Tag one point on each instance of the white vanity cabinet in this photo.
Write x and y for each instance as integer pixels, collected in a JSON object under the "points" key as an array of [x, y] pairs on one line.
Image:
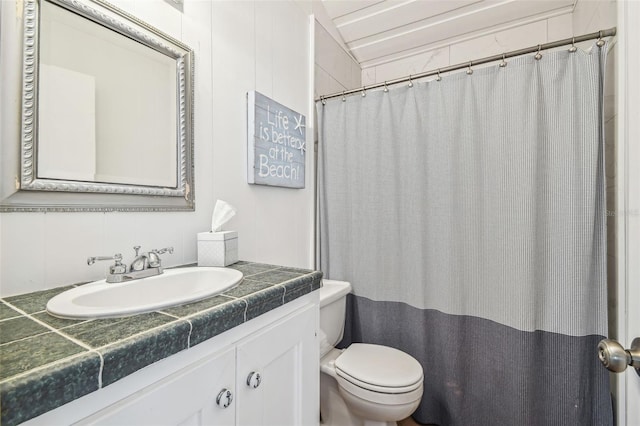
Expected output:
{"points": [[194, 386], [274, 370]]}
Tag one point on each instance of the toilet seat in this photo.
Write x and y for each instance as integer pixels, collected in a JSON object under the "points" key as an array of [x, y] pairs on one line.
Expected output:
{"points": [[379, 389], [380, 398], [378, 368]]}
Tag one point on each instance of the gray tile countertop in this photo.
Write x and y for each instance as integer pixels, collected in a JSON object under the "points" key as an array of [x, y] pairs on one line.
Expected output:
{"points": [[46, 362]]}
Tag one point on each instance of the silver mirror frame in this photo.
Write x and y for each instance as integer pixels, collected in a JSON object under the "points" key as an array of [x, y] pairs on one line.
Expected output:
{"points": [[36, 194]]}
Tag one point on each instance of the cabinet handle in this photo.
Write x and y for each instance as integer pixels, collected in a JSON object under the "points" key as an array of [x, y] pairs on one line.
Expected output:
{"points": [[224, 398], [254, 379]]}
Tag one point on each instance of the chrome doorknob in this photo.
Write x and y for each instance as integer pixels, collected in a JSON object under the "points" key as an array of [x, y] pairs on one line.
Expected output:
{"points": [[254, 379], [224, 398], [616, 358]]}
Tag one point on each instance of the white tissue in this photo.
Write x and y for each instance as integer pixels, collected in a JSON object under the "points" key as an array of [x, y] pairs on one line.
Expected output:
{"points": [[222, 212]]}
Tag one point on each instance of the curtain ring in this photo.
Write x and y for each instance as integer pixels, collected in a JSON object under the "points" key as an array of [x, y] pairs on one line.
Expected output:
{"points": [[503, 63], [438, 78], [573, 47], [363, 91], [410, 82], [344, 98], [469, 70], [538, 55], [600, 41], [386, 89], [322, 100]]}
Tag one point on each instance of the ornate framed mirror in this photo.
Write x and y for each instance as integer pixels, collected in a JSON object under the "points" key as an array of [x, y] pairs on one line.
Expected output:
{"points": [[106, 114]]}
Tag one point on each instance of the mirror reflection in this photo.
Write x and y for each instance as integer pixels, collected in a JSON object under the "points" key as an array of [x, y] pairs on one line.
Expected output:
{"points": [[107, 105]]}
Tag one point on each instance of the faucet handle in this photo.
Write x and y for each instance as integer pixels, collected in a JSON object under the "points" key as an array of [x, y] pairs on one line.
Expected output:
{"points": [[154, 256], [117, 268], [117, 257], [164, 250]]}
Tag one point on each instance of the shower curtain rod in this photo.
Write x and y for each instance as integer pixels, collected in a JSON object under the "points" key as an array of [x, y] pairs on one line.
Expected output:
{"points": [[591, 36]]}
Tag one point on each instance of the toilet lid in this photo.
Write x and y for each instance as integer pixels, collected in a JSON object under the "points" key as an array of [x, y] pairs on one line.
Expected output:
{"points": [[379, 366]]}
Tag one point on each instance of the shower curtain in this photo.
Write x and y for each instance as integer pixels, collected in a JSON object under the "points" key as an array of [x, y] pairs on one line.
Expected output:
{"points": [[468, 214]]}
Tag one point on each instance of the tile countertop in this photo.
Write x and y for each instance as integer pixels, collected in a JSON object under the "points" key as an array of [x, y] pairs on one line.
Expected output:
{"points": [[46, 362]]}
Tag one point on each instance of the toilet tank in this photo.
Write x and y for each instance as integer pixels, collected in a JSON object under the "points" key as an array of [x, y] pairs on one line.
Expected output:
{"points": [[333, 305]]}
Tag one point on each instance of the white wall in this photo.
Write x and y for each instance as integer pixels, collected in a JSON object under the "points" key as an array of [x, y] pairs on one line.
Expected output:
{"points": [[239, 46], [335, 69]]}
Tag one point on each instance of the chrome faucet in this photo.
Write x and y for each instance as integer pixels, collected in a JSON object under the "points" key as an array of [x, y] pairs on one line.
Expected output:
{"points": [[143, 265], [141, 261]]}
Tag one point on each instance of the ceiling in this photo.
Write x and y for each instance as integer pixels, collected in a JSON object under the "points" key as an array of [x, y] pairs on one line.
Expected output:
{"points": [[379, 31]]}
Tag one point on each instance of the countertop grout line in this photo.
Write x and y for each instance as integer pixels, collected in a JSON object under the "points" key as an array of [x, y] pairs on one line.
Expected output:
{"points": [[189, 336], [77, 342], [64, 336], [7, 319], [88, 348], [7, 305], [24, 338], [246, 308], [79, 321], [101, 370]]}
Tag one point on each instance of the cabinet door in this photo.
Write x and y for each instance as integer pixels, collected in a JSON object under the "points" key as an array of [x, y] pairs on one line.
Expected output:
{"points": [[187, 397], [285, 356]]}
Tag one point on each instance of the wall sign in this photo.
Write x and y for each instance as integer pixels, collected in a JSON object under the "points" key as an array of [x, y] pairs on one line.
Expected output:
{"points": [[276, 143]]}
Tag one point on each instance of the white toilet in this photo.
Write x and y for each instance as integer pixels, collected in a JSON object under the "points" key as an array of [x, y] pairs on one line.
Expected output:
{"points": [[363, 385]]}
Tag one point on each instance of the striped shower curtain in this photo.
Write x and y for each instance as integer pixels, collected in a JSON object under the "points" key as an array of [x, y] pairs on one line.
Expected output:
{"points": [[468, 214]]}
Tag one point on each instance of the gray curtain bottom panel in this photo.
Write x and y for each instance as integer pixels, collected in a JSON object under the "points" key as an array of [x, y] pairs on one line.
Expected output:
{"points": [[478, 372]]}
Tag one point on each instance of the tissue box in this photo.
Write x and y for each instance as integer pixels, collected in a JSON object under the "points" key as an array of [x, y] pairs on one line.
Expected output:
{"points": [[217, 248]]}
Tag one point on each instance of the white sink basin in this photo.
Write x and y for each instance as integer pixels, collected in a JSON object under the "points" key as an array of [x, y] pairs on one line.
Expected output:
{"points": [[100, 299]]}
